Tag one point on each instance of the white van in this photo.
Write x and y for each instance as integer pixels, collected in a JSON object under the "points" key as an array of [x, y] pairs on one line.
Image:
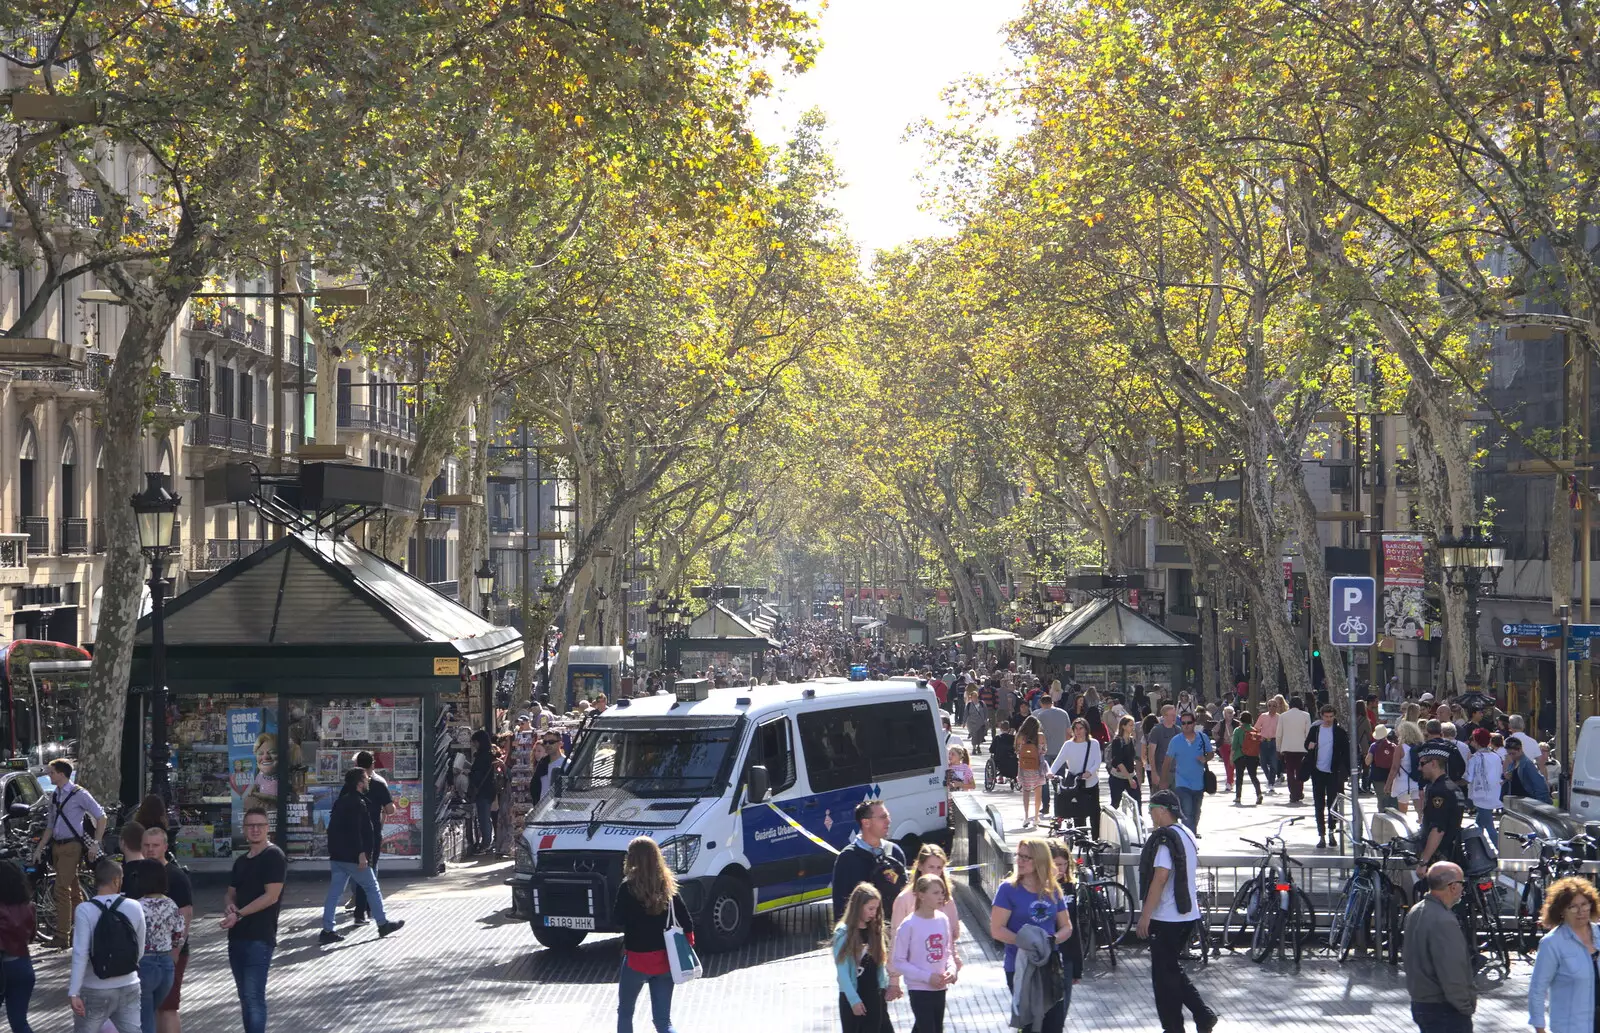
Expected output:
{"points": [[706, 778]]}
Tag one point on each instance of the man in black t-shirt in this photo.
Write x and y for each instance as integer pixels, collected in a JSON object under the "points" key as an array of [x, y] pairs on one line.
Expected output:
{"points": [[380, 805], [251, 918]]}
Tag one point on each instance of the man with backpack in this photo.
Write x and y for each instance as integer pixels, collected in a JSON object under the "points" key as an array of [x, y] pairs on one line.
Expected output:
{"points": [[107, 946], [72, 829]]}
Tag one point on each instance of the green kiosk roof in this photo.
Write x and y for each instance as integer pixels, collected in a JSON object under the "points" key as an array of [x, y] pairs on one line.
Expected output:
{"points": [[314, 613]]}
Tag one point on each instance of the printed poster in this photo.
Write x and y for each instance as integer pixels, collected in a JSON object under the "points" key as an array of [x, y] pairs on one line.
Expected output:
{"points": [[407, 724], [252, 762], [406, 763], [356, 725], [380, 725], [1403, 583], [332, 724]]}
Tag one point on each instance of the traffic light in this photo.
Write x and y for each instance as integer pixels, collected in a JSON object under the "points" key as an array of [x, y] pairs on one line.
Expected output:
{"points": [[1316, 652]]}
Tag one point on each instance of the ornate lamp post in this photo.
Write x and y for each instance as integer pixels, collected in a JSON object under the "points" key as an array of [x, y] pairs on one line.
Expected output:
{"points": [[484, 576], [1472, 562], [156, 509]]}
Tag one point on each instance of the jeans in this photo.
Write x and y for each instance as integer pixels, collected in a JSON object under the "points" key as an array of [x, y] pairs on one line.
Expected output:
{"points": [[17, 974], [346, 872], [1174, 992], [118, 1005], [1245, 766], [156, 973], [927, 1011], [358, 896], [1190, 800], [1269, 762], [1440, 1018], [629, 983], [485, 831], [1121, 786], [1486, 822], [1055, 1020], [250, 960], [1291, 771], [1325, 785]]}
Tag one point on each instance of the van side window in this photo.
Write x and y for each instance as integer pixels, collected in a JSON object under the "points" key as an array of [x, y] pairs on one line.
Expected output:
{"points": [[833, 742], [904, 739], [773, 747]]}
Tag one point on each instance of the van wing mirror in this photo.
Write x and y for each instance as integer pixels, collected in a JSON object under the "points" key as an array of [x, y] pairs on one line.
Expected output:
{"points": [[760, 784]]}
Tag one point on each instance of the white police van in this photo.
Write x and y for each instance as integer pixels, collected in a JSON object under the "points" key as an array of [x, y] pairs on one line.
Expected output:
{"points": [[717, 781]]}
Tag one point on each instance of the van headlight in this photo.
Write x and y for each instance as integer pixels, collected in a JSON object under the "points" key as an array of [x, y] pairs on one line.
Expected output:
{"points": [[523, 856], [680, 853]]}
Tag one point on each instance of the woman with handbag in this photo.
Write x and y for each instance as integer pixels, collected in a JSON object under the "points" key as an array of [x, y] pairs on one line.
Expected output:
{"points": [[1080, 758], [648, 907]]}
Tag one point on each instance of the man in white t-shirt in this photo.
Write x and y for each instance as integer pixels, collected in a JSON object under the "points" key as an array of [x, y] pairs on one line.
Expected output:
{"points": [[1530, 745], [1171, 908]]}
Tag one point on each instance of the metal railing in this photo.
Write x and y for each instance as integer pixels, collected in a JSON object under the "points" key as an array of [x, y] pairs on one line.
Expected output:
{"points": [[216, 553], [448, 589], [359, 416], [37, 528], [215, 431], [99, 535], [13, 551], [182, 394], [28, 42], [74, 536]]}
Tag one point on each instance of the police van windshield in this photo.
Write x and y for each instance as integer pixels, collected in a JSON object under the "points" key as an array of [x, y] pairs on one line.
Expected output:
{"points": [[652, 758]]}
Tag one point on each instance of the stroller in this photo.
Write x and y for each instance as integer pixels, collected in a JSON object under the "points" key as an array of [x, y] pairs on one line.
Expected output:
{"points": [[1001, 767]]}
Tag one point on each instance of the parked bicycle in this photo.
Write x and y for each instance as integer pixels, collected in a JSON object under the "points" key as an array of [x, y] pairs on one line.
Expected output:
{"points": [[1557, 859], [1105, 907], [1274, 912], [1371, 908]]}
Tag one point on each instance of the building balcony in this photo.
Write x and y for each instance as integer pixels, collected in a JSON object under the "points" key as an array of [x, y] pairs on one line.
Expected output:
{"points": [[74, 536], [216, 553], [13, 559], [179, 394], [213, 431], [55, 381], [37, 530], [376, 420]]}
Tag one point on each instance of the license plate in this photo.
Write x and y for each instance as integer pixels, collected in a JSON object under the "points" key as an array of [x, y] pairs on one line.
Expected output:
{"points": [[558, 922]]}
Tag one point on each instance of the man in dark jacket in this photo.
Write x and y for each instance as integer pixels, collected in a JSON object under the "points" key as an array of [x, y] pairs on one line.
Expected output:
{"points": [[1328, 757], [351, 847], [380, 806], [870, 857]]}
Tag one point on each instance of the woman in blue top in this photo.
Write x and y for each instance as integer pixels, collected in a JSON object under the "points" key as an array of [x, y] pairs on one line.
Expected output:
{"points": [[1567, 964], [1031, 896]]}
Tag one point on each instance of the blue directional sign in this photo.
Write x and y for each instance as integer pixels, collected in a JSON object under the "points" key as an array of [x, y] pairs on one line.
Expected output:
{"points": [[1352, 611], [1576, 631], [1537, 630]]}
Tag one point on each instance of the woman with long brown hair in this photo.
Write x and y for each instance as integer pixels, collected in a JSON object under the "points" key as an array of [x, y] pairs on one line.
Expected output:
{"points": [[647, 891], [861, 963], [1030, 768]]}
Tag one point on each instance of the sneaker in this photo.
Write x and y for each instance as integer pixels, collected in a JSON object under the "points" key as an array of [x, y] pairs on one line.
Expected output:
{"points": [[1209, 1024], [329, 936], [360, 920], [1322, 844], [391, 927]]}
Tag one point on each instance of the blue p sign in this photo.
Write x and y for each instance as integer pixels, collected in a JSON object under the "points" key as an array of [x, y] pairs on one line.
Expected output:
{"points": [[1352, 611]]}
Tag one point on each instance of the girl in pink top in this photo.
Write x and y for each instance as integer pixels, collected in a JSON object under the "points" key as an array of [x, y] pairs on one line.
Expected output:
{"points": [[931, 860], [924, 953]]}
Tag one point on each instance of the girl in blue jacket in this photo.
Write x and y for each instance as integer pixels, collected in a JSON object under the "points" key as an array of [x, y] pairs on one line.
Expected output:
{"points": [[1565, 967]]}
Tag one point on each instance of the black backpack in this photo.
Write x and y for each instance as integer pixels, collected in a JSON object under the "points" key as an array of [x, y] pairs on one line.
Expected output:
{"points": [[113, 946]]}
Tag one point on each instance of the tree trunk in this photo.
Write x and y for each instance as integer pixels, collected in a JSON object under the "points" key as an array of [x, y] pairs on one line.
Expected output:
{"points": [[105, 702]]}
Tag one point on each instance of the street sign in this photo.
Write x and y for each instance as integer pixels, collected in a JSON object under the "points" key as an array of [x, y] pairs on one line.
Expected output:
{"points": [[1537, 630], [1352, 611], [1529, 642], [1581, 630]]}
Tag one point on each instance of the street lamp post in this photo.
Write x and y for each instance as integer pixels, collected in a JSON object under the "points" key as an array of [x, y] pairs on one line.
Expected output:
{"points": [[1472, 562], [1200, 601], [156, 509], [484, 577]]}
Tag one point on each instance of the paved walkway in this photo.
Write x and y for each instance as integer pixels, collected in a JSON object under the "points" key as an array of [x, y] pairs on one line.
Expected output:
{"points": [[462, 965]]}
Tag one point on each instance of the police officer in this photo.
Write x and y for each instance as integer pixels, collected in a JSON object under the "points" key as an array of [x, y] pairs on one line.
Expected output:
{"points": [[1442, 809]]}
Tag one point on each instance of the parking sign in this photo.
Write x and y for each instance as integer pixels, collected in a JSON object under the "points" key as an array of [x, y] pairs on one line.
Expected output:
{"points": [[1352, 611]]}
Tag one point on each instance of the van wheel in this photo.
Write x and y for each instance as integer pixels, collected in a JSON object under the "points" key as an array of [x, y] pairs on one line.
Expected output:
{"points": [[557, 939], [912, 845], [724, 925]]}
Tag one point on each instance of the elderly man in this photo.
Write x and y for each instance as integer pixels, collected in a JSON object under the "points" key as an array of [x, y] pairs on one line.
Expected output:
{"points": [[1437, 962]]}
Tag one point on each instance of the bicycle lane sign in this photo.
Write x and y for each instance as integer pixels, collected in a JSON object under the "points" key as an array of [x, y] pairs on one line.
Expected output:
{"points": [[1352, 611]]}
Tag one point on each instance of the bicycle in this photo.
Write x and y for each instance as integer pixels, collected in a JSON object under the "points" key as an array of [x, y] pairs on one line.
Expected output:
{"points": [[1371, 906], [1557, 860], [452, 828], [1279, 910], [1105, 907], [1478, 913]]}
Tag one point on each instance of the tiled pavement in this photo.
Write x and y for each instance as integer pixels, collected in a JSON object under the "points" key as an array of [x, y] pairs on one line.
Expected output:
{"points": [[462, 965]]}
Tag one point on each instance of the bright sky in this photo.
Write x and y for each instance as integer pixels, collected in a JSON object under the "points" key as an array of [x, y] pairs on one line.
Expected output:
{"points": [[882, 67]]}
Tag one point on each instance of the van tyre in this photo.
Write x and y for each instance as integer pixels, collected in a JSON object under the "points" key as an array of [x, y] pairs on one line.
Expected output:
{"points": [[724, 925], [557, 939], [911, 845]]}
